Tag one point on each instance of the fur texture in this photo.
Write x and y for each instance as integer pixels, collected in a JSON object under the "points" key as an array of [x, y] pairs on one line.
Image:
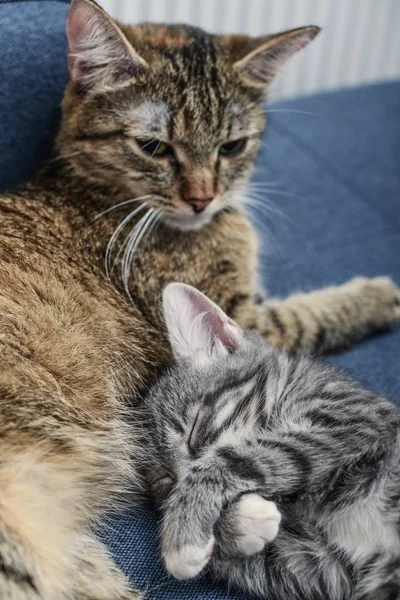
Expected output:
{"points": [[80, 341], [279, 473]]}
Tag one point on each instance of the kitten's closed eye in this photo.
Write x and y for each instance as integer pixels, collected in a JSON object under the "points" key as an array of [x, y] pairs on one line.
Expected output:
{"points": [[162, 487]]}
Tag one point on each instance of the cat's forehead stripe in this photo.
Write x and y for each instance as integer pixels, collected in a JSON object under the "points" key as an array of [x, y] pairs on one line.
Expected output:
{"points": [[151, 115]]}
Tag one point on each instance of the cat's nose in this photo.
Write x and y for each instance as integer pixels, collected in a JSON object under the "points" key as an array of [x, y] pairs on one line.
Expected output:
{"points": [[199, 204], [199, 190]]}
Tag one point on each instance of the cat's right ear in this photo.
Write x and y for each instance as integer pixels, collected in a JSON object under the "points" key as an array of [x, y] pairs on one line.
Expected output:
{"points": [[259, 59], [198, 329], [99, 53]]}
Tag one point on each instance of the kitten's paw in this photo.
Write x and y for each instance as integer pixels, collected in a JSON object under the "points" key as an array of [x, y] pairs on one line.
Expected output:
{"points": [[382, 297], [188, 561], [256, 521]]}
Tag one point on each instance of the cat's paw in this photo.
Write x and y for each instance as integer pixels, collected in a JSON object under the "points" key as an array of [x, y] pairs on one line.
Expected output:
{"points": [[381, 298], [189, 560], [256, 522]]}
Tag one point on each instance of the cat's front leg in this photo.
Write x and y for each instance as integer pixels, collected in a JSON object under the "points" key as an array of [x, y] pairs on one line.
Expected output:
{"points": [[190, 514], [194, 507], [326, 320]]}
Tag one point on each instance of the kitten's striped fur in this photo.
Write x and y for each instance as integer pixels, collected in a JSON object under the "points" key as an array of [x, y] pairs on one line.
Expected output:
{"points": [[278, 473]]}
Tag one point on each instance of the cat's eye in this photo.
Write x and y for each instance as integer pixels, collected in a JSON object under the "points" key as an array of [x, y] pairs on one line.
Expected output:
{"points": [[154, 148], [234, 148]]}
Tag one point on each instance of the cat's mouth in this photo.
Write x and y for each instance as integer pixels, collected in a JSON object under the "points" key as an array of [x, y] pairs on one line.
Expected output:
{"points": [[185, 221]]}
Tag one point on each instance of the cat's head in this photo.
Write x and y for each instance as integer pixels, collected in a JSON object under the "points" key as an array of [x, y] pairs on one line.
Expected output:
{"points": [[168, 112], [214, 392]]}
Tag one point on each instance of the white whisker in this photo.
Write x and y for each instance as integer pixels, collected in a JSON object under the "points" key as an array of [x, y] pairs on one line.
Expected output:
{"points": [[116, 234], [148, 143], [135, 237], [61, 157], [142, 232], [261, 184], [291, 110], [157, 218], [120, 251], [155, 150], [265, 144], [263, 226], [115, 206], [264, 206], [260, 193], [125, 266]]}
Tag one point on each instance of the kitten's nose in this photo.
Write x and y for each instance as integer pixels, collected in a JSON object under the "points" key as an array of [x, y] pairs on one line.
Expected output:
{"points": [[199, 204]]}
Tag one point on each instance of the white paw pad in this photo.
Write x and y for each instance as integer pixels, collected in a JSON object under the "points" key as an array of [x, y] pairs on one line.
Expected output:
{"points": [[188, 561], [257, 523]]}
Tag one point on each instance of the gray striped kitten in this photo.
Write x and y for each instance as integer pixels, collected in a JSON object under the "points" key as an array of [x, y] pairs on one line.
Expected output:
{"points": [[278, 474]]}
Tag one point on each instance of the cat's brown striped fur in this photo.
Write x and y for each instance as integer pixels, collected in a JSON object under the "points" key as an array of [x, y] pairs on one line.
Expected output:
{"points": [[74, 350]]}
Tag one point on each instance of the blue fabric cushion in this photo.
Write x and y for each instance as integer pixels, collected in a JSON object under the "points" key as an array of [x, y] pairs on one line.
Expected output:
{"points": [[337, 155], [331, 165], [33, 73]]}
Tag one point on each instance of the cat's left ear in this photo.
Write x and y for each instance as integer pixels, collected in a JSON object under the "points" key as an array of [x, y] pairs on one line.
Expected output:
{"points": [[266, 55], [99, 53], [198, 329]]}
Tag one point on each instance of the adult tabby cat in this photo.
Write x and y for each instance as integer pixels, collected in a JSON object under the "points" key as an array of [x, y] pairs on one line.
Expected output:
{"points": [[164, 122], [294, 467]]}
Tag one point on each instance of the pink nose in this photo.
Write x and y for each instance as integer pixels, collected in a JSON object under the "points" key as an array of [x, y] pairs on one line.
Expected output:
{"points": [[199, 191], [199, 204]]}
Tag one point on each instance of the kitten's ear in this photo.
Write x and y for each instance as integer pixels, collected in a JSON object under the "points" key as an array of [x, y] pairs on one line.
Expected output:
{"points": [[197, 328], [266, 55], [99, 53]]}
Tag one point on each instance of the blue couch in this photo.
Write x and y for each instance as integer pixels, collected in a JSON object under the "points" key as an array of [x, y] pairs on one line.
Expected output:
{"points": [[332, 163]]}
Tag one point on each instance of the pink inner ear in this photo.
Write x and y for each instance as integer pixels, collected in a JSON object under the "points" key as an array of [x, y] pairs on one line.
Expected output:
{"points": [[77, 22], [195, 324], [221, 332], [78, 19], [297, 44], [218, 323], [99, 52]]}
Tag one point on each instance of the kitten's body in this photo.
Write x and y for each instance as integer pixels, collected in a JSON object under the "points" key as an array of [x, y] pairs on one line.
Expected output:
{"points": [[74, 349], [238, 431]]}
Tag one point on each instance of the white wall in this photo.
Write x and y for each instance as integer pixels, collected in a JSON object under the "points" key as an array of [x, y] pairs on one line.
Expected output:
{"points": [[360, 41]]}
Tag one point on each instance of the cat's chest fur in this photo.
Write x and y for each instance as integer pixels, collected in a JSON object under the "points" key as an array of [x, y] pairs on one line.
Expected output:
{"points": [[219, 259], [52, 261], [59, 313]]}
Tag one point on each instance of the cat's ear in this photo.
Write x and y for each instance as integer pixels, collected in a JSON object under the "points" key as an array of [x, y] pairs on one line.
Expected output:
{"points": [[99, 53], [266, 55], [197, 328]]}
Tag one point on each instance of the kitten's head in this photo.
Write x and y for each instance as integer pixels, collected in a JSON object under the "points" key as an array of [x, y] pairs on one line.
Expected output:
{"points": [[213, 394], [167, 111]]}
